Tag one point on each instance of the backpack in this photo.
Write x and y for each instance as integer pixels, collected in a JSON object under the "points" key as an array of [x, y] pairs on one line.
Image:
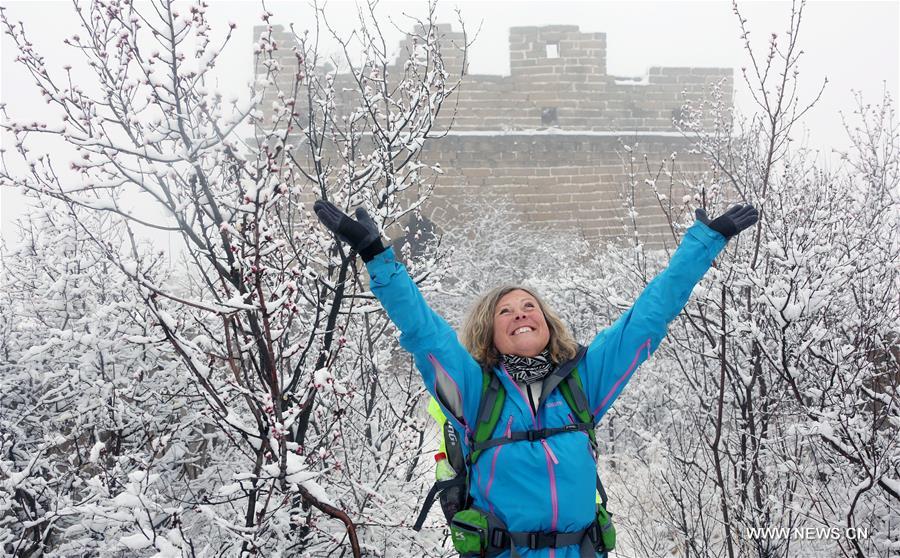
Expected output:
{"points": [[477, 533]]}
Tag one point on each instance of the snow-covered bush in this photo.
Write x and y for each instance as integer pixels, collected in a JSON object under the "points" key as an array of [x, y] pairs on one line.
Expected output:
{"points": [[275, 418], [781, 397], [83, 385], [773, 403]]}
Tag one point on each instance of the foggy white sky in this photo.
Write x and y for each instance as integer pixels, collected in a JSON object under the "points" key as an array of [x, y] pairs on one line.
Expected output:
{"points": [[855, 44]]}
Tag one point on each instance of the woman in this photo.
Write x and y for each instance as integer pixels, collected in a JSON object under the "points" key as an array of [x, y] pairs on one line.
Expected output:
{"points": [[538, 492]]}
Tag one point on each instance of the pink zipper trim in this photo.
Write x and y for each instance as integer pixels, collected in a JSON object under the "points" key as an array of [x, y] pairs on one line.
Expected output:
{"points": [[550, 452], [487, 491], [439, 368], [634, 363], [524, 397], [553, 497]]}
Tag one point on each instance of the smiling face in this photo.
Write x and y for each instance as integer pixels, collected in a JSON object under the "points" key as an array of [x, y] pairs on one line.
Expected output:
{"points": [[519, 325]]}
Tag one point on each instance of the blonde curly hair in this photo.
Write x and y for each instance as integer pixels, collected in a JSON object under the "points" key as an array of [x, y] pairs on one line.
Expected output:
{"points": [[477, 333]]}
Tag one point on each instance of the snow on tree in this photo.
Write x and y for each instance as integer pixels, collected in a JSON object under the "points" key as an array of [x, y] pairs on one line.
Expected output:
{"points": [[256, 402], [83, 379], [274, 416], [773, 403], [782, 377]]}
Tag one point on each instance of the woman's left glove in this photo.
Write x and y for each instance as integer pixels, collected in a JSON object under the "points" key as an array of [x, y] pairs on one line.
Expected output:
{"points": [[733, 221], [362, 234]]}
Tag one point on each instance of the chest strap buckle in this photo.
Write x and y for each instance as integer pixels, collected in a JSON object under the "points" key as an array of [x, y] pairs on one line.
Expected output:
{"points": [[535, 435]]}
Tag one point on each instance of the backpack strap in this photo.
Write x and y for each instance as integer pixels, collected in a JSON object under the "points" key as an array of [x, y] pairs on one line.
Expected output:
{"points": [[499, 539], [561, 373], [436, 488], [531, 435], [493, 395], [489, 408], [538, 540], [572, 391]]}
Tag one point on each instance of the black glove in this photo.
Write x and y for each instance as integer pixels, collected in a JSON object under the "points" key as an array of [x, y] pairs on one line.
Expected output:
{"points": [[362, 234], [733, 221]]}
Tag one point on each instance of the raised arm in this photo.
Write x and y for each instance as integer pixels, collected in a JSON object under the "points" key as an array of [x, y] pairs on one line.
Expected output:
{"points": [[450, 373], [617, 351]]}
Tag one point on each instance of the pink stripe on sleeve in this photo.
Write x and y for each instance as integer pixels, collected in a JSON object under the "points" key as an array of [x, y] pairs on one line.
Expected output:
{"points": [[623, 377]]}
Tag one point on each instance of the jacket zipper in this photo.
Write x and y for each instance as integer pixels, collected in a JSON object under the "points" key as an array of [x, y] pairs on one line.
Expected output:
{"points": [[548, 454], [551, 474]]}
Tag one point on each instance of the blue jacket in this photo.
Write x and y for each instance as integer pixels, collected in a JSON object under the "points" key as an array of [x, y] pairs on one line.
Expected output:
{"points": [[546, 485]]}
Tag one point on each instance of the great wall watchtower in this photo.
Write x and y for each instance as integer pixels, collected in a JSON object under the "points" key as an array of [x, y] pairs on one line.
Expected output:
{"points": [[549, 136], [558, 79]]}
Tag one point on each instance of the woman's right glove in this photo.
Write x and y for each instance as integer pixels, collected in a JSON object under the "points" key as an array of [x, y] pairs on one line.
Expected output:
{"points": [[362, 234], [731, 222]]}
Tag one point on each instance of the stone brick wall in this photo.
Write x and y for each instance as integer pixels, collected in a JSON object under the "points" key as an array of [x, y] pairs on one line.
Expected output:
{"points": [[549, 135], [573, 181]]}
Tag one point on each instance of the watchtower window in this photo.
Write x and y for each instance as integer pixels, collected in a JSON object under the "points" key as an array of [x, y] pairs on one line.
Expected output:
{"points": [[552, 50], [549, 117]]}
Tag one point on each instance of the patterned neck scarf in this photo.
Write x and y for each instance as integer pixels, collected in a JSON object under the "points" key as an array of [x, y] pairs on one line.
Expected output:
{"points": [[528, 370]]}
